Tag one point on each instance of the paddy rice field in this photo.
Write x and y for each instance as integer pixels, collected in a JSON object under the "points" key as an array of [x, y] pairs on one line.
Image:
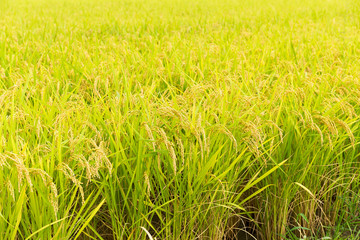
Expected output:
{"points": [[179, 119]]}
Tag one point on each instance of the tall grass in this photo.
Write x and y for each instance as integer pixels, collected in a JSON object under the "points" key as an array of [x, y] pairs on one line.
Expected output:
{"points": [[179, 119]]}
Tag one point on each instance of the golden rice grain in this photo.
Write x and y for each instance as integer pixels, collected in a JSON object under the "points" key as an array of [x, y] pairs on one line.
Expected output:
{"points": [[169, 147], [147, 182], [181, 148], [10, 189], [69, 173], [347, 129], [53, 197]]}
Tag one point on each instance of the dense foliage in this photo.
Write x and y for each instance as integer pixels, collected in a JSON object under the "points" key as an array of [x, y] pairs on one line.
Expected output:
{"points": [[179, 119]]}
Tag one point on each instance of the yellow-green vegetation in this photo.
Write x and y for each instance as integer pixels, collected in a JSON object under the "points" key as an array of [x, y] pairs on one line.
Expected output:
{"points": [[194, 119]]}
